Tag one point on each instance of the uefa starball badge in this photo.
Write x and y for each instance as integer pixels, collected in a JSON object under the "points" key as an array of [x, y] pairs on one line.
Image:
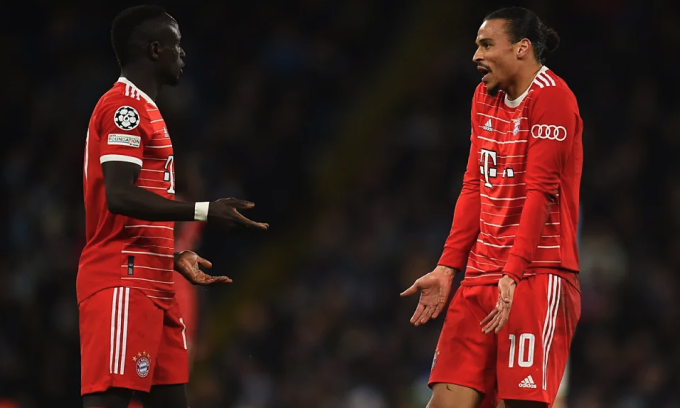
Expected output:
{"points": [[126, 118], [142, 363]]}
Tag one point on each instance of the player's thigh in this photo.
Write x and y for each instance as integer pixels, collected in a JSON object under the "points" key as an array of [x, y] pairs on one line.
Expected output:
{"points": [[524, 404], [501, 404], [165, 396], [534, 345], [172, 365], [563, 389], [454, 396], [111, 398], [464, 355], [120, 332], [560, 402]]}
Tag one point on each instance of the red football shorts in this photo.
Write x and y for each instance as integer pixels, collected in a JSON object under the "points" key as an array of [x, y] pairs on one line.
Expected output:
{"points": [[526, 360], [126, 341], [186, 295]]}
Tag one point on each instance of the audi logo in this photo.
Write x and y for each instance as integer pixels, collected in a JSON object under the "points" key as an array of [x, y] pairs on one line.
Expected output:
{"points": [[550, 132]]}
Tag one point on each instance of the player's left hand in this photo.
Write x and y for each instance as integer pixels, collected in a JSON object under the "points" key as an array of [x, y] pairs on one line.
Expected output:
{"points": [[501, 313], [188, 264]]}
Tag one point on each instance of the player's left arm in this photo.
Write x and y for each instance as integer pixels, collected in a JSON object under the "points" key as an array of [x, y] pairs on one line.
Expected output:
{"points": [[553, 125]]}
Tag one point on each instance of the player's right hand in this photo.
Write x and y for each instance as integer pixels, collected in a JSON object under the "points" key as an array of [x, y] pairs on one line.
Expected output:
{"points": [[434, 288], [225, 211]]}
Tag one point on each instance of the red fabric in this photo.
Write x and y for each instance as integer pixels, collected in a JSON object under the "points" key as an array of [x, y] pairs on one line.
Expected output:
{"points": [[542, 322], [129, 342], [121, 251], [7, 403], [534, 216], [518, 210], [187, 237]]}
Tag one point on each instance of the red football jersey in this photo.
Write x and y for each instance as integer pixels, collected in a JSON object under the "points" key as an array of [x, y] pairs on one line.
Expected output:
{"points": [[127, 126], [518, 210]]}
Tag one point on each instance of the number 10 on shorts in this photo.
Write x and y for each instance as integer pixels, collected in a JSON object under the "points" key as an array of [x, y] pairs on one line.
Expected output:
{"points": [[524, 349]]}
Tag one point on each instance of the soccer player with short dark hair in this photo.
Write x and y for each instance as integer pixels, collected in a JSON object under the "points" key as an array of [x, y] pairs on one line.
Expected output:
{"points": [[132, 334], [514, 230]]}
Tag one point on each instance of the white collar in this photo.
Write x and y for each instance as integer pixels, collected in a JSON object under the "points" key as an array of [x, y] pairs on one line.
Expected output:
{"points": [[130, 84], [515, 103]]}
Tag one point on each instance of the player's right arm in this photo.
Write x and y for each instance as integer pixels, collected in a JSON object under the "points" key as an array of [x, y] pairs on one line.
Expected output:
{"points": [[121, 155], [435, 286], [465, 226]]}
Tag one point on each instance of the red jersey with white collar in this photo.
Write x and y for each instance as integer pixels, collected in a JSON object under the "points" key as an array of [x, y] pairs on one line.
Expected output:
{"points": [[518, 210], [127, 126]]}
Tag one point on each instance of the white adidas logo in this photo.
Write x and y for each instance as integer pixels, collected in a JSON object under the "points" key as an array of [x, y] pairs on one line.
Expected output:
{"points": [[488, 126], [527, 383]]}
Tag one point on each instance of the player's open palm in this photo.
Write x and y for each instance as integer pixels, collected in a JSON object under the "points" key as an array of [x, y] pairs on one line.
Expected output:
{"points": [[225, 211], [495, 321], [189, 264], [434, 288]]}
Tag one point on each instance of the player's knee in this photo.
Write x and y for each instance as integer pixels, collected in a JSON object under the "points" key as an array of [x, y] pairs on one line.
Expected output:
{"points": [[111, 398], [166, 396]]}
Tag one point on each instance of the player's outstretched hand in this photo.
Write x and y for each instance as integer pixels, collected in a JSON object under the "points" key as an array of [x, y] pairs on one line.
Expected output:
{"points": [[225, 211], [495, 321], [434, 288], [188, 264]]}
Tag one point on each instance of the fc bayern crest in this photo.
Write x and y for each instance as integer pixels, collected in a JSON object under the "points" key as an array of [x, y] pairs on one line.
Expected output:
{"points": [[515, 130], [126, 118], [142, 364], [143, 367]]}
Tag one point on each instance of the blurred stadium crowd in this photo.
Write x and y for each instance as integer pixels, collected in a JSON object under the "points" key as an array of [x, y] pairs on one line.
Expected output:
{"points": [[347, 122]]}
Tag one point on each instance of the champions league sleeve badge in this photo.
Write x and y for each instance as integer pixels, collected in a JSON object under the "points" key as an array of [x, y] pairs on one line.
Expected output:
{"points": [[126, 118]]}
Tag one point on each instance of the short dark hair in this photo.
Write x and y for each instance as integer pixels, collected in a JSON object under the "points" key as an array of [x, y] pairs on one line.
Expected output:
{"points": [[132, 31], [523, 23]]}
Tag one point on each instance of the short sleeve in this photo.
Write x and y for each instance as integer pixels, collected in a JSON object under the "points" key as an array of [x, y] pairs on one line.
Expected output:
{"points": [[123, 127]]}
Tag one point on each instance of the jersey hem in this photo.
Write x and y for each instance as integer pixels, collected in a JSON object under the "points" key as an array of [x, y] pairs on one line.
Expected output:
{"points": [[480, 280], [89, 294]]}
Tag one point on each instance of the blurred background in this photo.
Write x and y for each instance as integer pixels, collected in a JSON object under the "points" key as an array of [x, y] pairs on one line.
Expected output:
{"points": [[347, 122]]}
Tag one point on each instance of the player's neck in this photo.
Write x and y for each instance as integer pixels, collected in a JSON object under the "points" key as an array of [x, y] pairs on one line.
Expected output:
{"points": [[523, 81], [142, 79]]}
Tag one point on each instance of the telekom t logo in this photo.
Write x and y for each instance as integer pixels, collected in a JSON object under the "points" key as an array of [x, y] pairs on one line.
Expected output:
{"points": [[488, 169]]}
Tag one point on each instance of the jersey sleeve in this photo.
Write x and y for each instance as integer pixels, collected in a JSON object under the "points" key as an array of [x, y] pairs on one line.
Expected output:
{"points": [[554, 122], [124, 130], [465, 226]]}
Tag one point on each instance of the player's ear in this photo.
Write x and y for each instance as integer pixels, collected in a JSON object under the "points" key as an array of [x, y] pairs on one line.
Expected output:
{"points": [[523, 48], [154, 50]]}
